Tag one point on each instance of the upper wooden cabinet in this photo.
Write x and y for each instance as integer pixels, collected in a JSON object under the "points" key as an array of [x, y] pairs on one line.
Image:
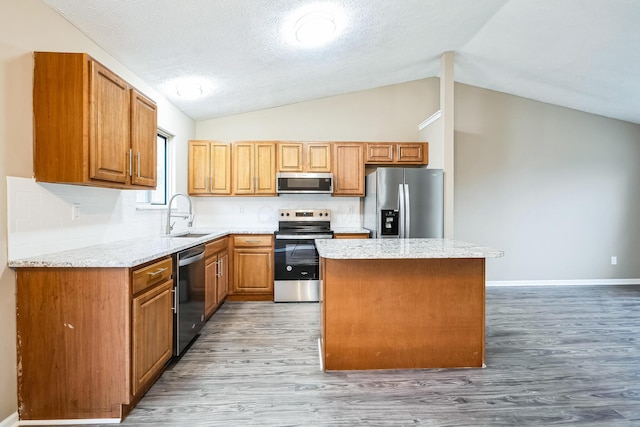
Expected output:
{"points": [[209, 171], [254, 168], [91, 126], [408, 153], [304, 157], [348, 169]]}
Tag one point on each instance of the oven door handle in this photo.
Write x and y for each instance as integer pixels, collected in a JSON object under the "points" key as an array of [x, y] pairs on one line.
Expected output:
{"points": [[303, 236]]}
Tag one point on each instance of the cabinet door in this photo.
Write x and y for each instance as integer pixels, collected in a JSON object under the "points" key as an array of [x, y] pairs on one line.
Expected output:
{"points": [[152, 329], [220, 168], [144, 140], [265, 168], [243, 166], [379, 153], [223, 276], [110, 156], [253, 270], [210, 288], [411, 153], [198, 170], [318, 157], [348, 169], [290, 156]]}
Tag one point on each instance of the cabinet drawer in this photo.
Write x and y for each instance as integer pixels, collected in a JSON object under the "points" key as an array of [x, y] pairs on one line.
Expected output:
{"points": [[215, 246], [252, 240], [152, 274]]}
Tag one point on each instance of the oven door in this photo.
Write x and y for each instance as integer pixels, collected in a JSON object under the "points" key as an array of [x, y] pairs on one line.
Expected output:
{"points": [[295, 258]]}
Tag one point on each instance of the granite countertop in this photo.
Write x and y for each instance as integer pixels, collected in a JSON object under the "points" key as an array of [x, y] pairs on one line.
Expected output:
{"points": [[127, 253], [402, 248]]}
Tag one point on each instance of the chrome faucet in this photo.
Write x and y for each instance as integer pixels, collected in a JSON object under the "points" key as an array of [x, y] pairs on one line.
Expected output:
{"points": [[188, 216]]}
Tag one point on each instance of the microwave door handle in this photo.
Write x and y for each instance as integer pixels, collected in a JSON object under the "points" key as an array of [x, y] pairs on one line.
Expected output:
{"points": [[407, 210], [401, 211]]}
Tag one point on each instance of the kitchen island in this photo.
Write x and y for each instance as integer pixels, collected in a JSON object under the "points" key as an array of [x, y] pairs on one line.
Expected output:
{"points": [[402, 303]]}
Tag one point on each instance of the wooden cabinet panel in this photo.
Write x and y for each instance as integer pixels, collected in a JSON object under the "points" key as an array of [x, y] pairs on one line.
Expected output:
{"points": [[265, 171], [210, 291], [144, 136], [254, 168], [252, 265], [412, 153], [109, 148], [152, 274], [253, 270], [304, 157], [407, 153], [198, 170], [379, 153], [209, 170], [152, 337], [216, 272], [290, 156], [90, 127], [243, 168], [348, 169], [223, 276], [351, 236], [318, 157], [73, 328]]}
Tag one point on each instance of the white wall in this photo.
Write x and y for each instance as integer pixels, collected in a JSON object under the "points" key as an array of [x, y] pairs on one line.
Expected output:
{"points": [[556, 189], [26, 26]]}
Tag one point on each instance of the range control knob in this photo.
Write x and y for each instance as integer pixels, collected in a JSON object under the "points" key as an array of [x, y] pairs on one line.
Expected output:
{"points": [[289, 268]]}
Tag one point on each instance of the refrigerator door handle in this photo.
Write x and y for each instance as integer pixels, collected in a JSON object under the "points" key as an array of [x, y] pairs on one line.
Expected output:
{"points": [[401, 207], [407, 210]]}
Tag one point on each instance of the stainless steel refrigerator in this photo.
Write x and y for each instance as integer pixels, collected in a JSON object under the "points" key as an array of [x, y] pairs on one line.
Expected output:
{"points": [[405, 202]]}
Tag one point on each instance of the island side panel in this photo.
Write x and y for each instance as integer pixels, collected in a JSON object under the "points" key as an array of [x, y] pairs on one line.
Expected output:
{"points": [[73, 342], [403, 313]]}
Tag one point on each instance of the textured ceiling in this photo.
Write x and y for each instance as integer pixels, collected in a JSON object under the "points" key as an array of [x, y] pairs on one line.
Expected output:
{"points": [[582, 54]]}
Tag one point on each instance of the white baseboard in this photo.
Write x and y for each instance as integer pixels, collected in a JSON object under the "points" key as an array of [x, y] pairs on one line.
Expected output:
{"points": [[599, 282], [11, 421], [69, 422]]}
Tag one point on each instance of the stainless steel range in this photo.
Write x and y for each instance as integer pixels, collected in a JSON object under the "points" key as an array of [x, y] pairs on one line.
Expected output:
{"points": [[296, 270]]}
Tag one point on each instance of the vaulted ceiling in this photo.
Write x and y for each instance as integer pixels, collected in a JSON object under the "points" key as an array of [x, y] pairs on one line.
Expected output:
{"points": [[581, 54]]}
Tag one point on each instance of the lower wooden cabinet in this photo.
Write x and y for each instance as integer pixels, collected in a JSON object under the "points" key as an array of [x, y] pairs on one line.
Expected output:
{"points": [[253, 266], [351, 236], [152, 334], [216, 275], [91, 341]]}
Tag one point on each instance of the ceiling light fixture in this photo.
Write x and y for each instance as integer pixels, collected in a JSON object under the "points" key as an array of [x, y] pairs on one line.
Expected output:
{"points": [[189, 89], [315, 28]]}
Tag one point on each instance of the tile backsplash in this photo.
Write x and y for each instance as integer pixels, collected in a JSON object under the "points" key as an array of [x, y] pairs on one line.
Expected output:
{"points": [[40, 215]]}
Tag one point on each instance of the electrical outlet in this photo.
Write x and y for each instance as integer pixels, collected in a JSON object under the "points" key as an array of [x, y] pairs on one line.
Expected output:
{"points": [[614, 260], [241, 210], [75, 211]]}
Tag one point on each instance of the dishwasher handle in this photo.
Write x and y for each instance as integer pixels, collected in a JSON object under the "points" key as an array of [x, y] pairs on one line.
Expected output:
{"points": [[190, 258]]}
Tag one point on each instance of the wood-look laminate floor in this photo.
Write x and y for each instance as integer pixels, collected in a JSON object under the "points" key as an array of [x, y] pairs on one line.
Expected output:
{"points": [[554, 356]]}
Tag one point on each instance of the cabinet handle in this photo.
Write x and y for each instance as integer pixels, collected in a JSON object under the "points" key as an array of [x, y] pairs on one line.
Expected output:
{"points": [[252, 241], [301, 154], [218, 268], [175, 300], [155, 273], [138, 164], [130, 161]]}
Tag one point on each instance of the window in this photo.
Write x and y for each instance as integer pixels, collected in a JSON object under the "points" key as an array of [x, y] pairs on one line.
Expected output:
{"points": [[159, 195]]}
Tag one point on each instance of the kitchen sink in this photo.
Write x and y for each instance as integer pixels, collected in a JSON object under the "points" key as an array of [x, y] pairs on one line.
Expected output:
{"points": [[191, 235]]}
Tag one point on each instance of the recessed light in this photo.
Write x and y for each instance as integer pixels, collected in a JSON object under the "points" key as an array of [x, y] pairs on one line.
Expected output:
{"points": [[315, 28]]}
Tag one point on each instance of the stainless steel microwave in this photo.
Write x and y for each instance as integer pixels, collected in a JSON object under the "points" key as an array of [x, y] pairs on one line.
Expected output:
{"points": [[305, 183]]}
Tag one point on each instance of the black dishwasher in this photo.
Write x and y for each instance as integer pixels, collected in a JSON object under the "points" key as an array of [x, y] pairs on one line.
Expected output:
{"points": [[188, 307]]}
